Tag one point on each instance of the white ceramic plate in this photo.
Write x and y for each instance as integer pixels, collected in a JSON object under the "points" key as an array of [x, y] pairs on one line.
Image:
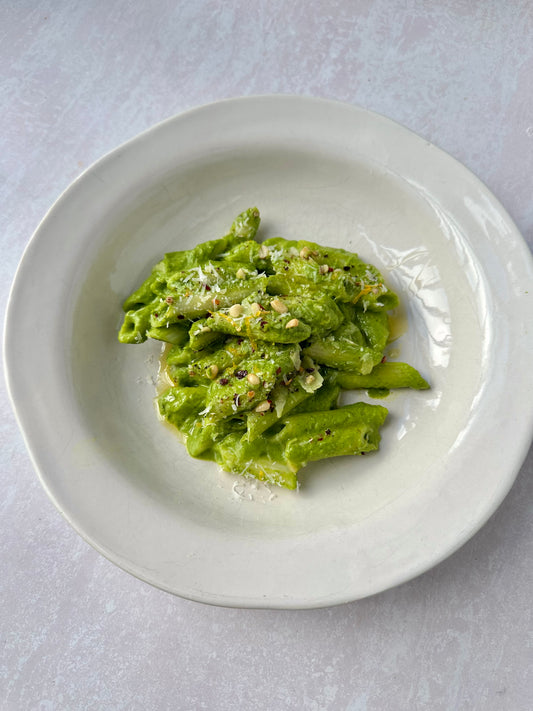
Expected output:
{"points": [[320, 170]]}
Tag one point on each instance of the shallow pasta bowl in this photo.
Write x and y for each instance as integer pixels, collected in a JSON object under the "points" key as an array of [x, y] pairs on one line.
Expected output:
{"points": [[318, 170]]}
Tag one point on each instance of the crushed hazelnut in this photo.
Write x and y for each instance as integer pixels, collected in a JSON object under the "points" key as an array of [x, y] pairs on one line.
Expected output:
{"points": [[235, 311], [279, 306]]}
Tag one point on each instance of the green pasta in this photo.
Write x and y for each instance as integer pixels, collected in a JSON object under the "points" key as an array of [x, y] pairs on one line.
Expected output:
{"points": [[262, 340]]}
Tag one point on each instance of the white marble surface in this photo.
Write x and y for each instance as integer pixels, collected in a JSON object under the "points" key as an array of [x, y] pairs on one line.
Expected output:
{"points": [[76, 79]]}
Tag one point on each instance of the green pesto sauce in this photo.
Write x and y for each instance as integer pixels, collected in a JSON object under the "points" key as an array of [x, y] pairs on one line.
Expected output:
{"points": [[378, 393], [263, 337]]}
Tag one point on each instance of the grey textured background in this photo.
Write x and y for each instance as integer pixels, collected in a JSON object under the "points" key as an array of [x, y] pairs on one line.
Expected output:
{"points": [[76, 79]]}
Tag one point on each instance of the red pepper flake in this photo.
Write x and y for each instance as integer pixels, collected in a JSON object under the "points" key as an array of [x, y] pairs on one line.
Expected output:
{"points": [[285, 268], [156, 315], [239, 341], [181, 316], [319, 439], [278, 370], [262, 323], [330, 269], [384, 359], [325, 256], [241, 374], [223, 381], [207, 287], [309, 370]]}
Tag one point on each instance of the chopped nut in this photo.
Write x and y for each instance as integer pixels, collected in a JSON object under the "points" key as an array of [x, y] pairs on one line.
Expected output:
{"points": [[235, 311], [205, 329], [212, 371], [252, 379], [293, 323], [256, 309], [250, 394], [263, 406], [263, 251], [240, 273], [324, 269], [279, 306], [305, 252], [310, 379]]}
